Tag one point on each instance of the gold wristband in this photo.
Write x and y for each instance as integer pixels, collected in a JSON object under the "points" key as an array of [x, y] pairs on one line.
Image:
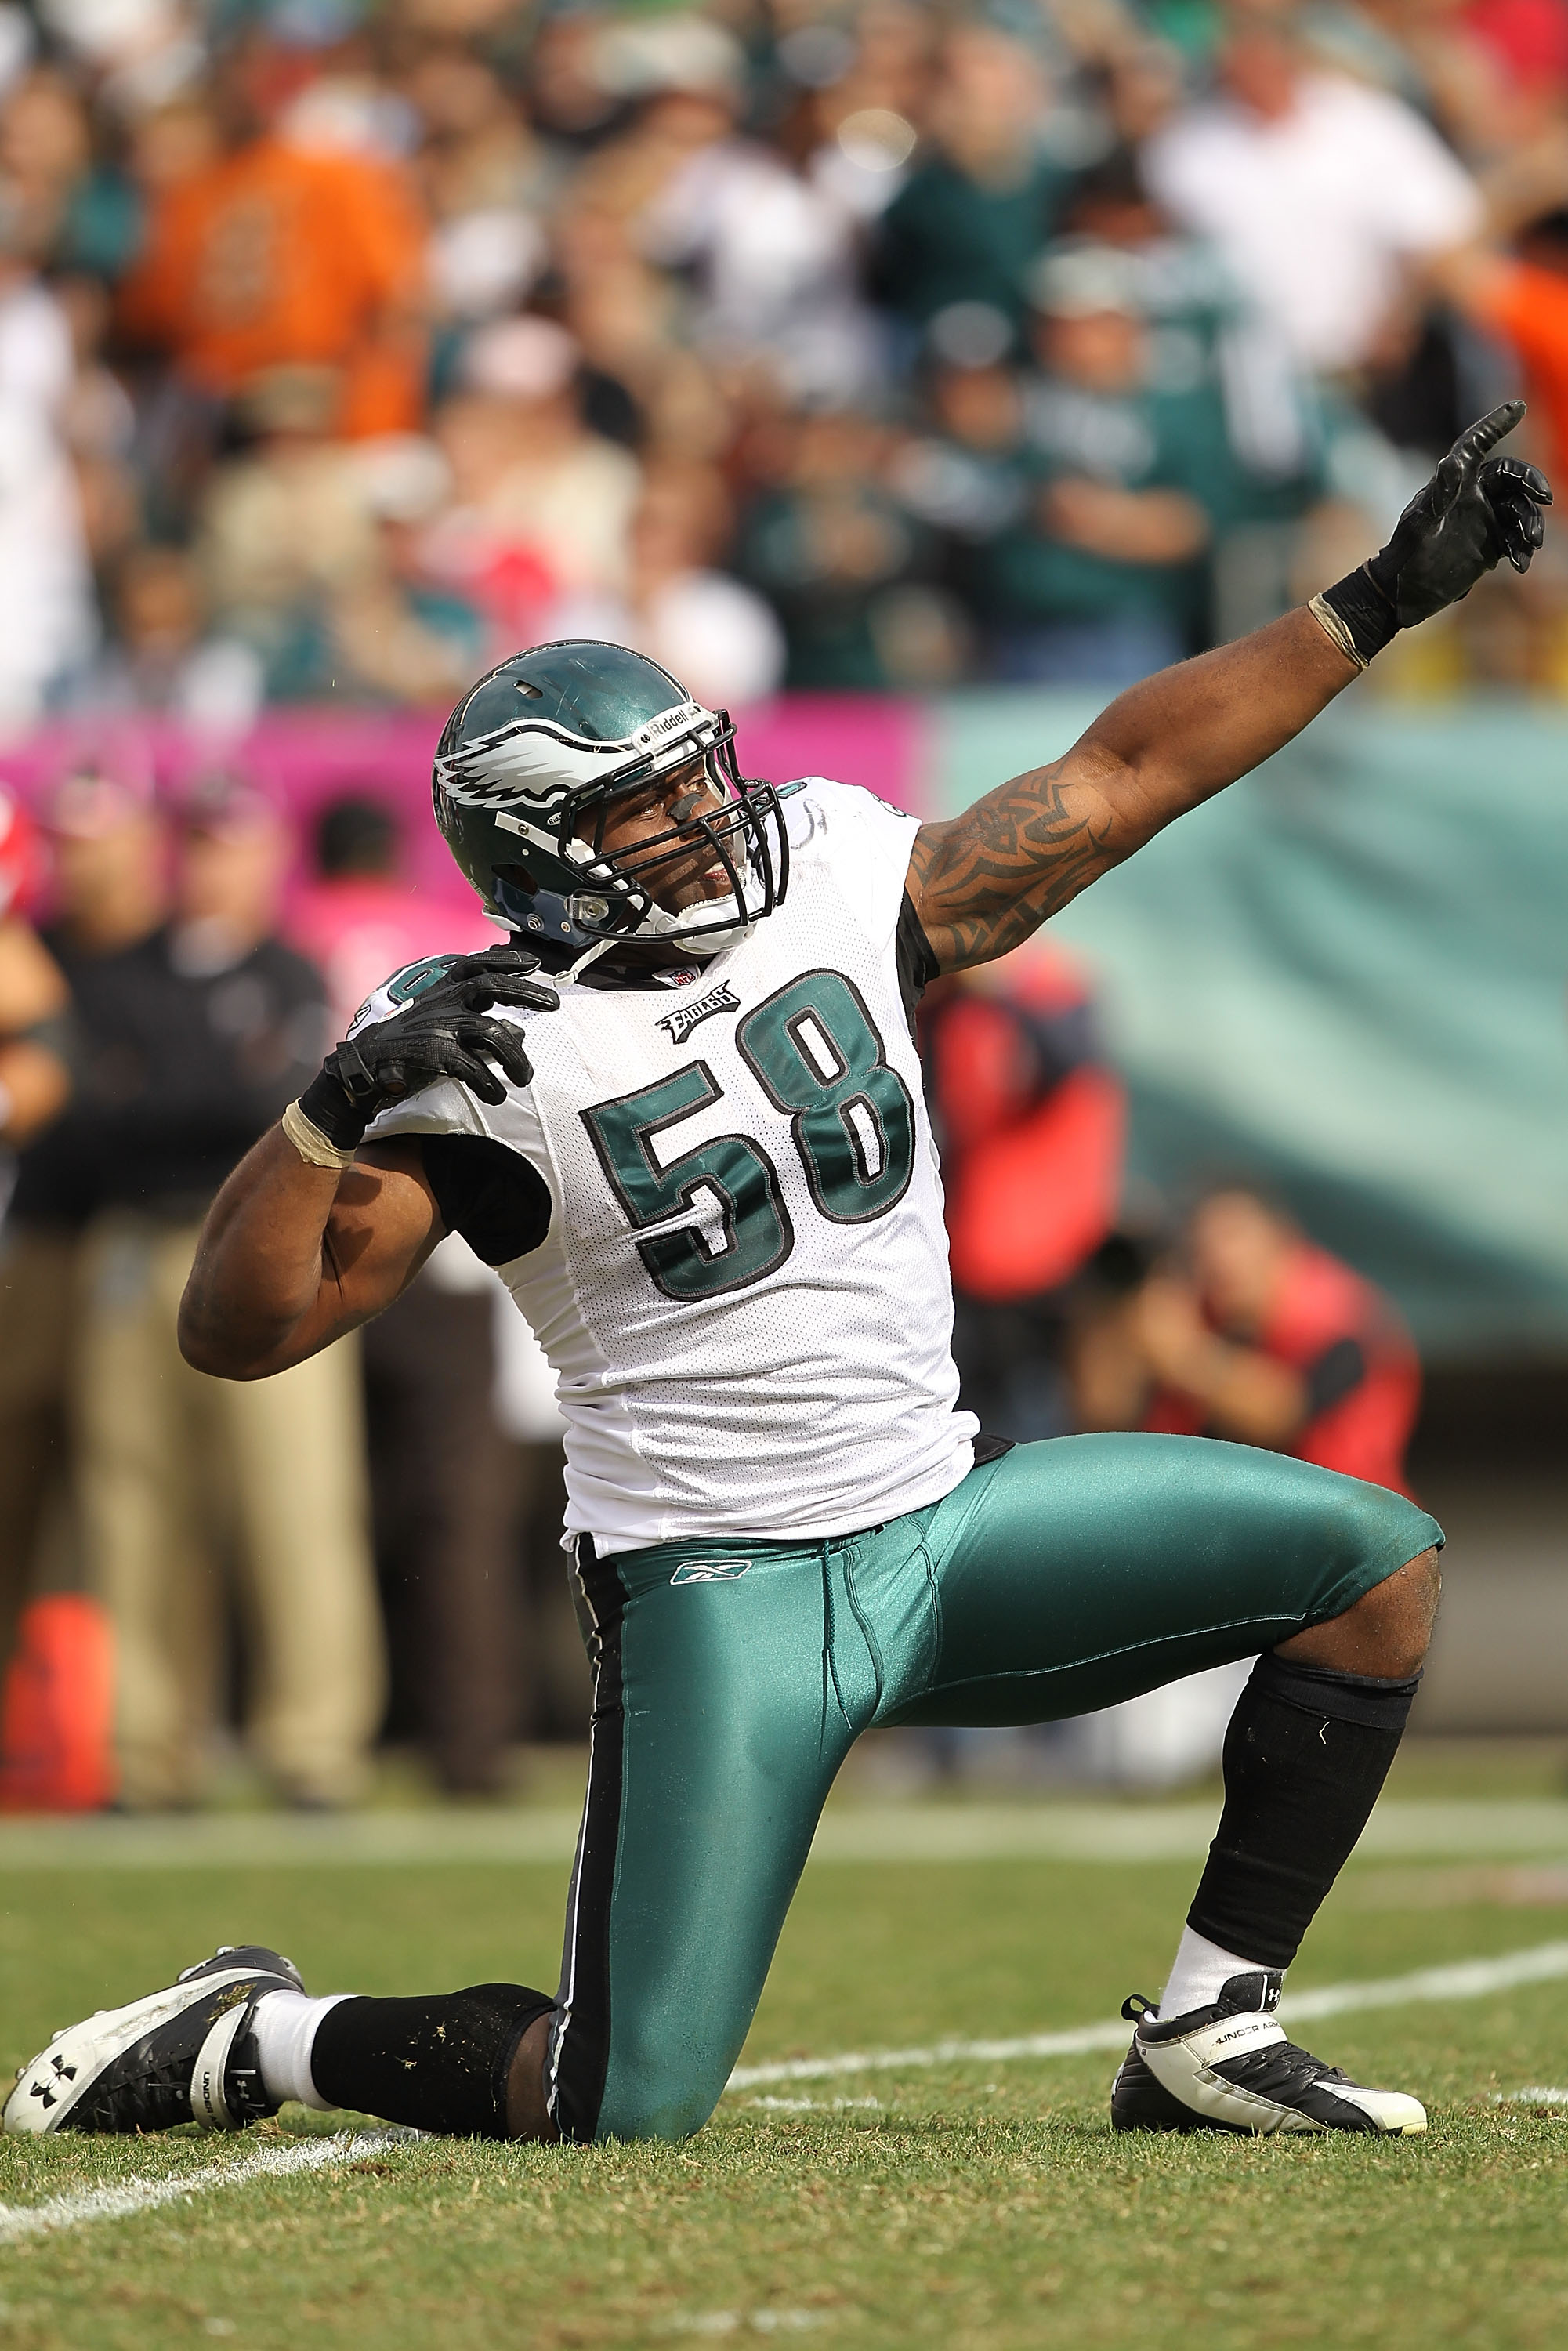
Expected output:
{"points": [[1329, 620], [310, 1142]]}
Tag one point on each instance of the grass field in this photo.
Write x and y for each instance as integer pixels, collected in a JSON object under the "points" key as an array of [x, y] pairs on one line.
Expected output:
{"points": [[965, 2202]]}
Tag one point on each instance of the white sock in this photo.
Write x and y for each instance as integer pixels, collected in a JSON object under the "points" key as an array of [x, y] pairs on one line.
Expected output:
{"points": [[285, 2028], [1200, 1973]]}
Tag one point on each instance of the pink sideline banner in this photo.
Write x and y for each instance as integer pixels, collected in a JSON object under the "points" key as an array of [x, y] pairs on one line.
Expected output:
{"points": [[305, 758]]}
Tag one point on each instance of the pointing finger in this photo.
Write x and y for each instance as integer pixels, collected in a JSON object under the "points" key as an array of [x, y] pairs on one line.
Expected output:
{"points": [[1486, 432]]}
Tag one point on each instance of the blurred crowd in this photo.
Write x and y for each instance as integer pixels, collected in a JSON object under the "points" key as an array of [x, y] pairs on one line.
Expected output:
{"points": [[367, 1546], [347, 344]]}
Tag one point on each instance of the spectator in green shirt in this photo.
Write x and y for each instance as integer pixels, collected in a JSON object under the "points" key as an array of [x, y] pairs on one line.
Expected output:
{"points": [[1202, 329], [1103, 577], [833, 550], [958, 470], [977, 209]]}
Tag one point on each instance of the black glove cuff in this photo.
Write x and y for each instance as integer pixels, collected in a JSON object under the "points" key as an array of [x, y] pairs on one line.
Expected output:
{"points": [[326, 1104], [1368, 616]]}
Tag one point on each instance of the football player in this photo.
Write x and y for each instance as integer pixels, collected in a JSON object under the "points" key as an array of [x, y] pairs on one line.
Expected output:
{"points": [[697, 1154]]}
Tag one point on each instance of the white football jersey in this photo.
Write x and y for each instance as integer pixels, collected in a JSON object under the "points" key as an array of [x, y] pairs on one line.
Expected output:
{"points": [[744, 1288]]}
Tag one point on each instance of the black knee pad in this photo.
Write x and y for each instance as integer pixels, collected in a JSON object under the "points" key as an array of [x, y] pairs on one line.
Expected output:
{"points": [[1340, 1697]]}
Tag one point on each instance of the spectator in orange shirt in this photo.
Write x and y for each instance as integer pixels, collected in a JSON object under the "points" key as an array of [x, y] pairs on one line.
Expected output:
{"points": [[1031, 1123], [1522, 296], [284, 251]]}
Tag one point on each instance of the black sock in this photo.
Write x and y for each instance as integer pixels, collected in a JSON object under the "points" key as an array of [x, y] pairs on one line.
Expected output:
{"points": [[1305, 1756], [440, 2064]]}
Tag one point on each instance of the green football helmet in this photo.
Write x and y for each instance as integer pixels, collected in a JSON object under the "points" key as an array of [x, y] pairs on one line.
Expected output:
{"points": [[530, 766]]}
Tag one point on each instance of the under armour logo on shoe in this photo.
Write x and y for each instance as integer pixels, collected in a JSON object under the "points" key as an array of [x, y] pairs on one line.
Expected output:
{"points": [[47, 2090]]}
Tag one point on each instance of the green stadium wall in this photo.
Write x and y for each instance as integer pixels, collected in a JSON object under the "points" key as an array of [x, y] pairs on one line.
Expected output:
{"points": [[1345, 978]]}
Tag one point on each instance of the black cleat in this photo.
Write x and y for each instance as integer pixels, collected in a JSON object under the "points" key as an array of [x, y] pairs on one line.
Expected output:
{"points": [[1230, 2068], [184, 2054]]}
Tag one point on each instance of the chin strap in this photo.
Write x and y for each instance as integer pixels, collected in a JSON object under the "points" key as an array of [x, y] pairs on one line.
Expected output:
{"points": [[590, 955]]}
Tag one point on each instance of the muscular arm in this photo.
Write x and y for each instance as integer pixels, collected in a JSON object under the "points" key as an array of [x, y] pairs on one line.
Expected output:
{"points": [[291, 1256], [984, 880]]}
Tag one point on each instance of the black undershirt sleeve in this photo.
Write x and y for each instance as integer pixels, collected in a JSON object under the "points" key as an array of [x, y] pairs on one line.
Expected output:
{"points": [[488, 1193], [917, 964]]}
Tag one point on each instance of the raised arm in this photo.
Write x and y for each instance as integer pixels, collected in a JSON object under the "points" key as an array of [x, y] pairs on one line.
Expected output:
{"points": [[984, 880]]}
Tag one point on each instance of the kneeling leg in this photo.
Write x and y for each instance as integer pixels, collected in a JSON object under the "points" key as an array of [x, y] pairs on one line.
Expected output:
{"points": [[1090, 1568], [1308, 1747], [1306, 1753], [705, 1786]]}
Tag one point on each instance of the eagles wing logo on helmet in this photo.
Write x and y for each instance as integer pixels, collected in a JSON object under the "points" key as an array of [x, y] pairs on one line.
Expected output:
{"points": [[532, 763]]}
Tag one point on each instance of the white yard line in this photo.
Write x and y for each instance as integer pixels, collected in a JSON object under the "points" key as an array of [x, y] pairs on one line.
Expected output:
{"points": [[1465, 1979], [1470, 1980], [143, 2194]]}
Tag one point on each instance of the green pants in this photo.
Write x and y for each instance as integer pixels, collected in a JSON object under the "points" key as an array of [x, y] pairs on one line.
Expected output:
{"points": [[732, 1678]]}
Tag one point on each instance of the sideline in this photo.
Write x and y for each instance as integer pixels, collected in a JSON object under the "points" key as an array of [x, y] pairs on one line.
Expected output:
{"points": [[128, 2197], [1468, 1980], [1112, 1833]]}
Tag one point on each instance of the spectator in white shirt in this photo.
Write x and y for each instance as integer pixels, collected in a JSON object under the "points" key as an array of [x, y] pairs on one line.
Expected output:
{"points": [[771, 256], [542, 504], [717, 635], [1319, 191], [47, 621]]}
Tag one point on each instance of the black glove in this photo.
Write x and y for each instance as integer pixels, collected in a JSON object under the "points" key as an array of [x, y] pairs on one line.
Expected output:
{"points": [[1475, 510], [442, 1034]]}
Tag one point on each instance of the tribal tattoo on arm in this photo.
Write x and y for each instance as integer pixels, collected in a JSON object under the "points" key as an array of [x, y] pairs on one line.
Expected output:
{"points": [[983, 883], [984, 880]]}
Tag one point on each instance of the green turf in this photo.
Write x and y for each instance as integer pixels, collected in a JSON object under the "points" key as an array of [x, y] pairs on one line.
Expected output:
{"points": [[983, 2204]]}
